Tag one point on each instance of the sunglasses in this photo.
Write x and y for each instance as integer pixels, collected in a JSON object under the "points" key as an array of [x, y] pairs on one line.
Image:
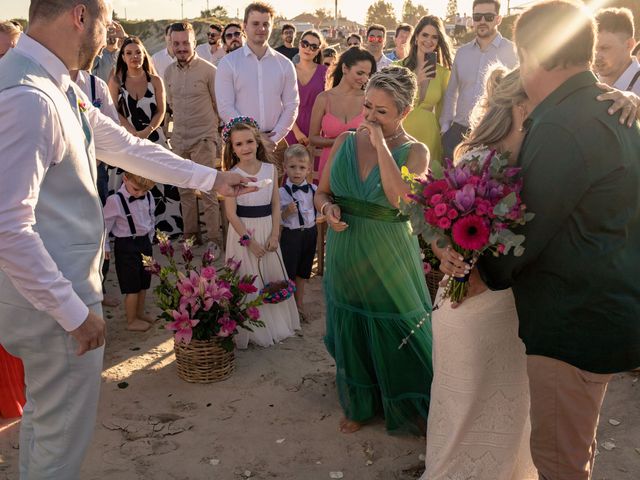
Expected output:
{"points": [[231, 35], [311, 46], [375, 39], [489, 17], [213, 34]]}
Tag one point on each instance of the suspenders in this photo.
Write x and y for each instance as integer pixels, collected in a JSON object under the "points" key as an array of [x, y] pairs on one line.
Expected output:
{"points": [[127, 212], [313, 192], [633, 81], [93, 89]]}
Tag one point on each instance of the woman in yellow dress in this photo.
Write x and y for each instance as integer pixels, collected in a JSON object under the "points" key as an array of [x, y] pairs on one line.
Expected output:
{"points": [[423, 121]]}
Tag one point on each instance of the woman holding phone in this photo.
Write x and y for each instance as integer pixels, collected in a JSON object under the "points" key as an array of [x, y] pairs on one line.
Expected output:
{"points": [[430, 59]]}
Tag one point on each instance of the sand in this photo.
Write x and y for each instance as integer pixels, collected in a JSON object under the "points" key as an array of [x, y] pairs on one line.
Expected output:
{"points": [[275, 418]]}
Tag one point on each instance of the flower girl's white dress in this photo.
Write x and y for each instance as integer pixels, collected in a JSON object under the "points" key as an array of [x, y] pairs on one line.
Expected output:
{"points": [[281, 319]]}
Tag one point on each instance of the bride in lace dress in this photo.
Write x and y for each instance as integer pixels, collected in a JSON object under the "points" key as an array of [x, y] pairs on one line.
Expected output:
{"points": [[479, 416]]}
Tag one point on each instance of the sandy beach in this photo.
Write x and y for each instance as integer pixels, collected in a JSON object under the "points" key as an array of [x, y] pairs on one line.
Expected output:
{"points": [[275, 418]]}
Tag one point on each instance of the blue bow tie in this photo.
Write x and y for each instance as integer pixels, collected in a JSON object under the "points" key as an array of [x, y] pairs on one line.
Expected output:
{"points": [[304, 188]]}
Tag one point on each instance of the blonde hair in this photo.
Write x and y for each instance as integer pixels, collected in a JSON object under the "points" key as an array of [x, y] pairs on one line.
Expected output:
{"points": [[297, 151], [141, 182], [492, 118], [399, 82], [10, 29]]}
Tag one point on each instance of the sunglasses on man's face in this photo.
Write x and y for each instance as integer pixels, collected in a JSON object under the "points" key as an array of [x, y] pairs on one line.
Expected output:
{"points": [[311, 46], [231, 35], [213, 34], [489, 17], [375, 38]]}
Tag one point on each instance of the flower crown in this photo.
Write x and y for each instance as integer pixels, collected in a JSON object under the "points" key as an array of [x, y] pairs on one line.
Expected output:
{"points": [[235, 121]]}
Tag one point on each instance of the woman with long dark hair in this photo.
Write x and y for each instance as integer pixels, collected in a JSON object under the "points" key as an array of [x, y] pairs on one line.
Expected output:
{"points": [[340, 108], [311, 75], [429, 38], [139, 95]]}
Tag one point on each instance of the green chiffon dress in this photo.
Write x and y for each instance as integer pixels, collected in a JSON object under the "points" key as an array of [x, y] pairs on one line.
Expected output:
{"points": [[376, 296]]}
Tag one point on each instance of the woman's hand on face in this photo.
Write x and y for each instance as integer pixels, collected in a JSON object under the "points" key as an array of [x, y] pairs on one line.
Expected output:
{"points": [[376, 137], [332, 214], [256, 249]]}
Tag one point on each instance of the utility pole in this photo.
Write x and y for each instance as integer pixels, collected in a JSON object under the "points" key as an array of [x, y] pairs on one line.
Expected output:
{"points": [[181, 9], [335, 21]]}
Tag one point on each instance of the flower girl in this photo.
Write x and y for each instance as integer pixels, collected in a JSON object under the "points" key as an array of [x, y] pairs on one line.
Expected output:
{"points": [[253, 238]]}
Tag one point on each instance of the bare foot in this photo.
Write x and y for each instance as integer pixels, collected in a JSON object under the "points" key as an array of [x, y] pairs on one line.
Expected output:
{"points": [[138, 326], [146, 318], [349, 426]]}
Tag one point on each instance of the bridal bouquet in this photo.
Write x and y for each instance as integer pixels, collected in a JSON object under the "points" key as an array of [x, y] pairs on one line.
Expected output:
{"points": [[200, 301], [474, 207]]}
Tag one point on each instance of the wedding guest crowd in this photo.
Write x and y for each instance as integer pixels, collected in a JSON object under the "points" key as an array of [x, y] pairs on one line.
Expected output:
{"points": [[328, 130]]}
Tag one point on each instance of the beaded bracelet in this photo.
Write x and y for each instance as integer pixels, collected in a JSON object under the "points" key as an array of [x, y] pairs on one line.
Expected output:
{"points": [[245, 240]]}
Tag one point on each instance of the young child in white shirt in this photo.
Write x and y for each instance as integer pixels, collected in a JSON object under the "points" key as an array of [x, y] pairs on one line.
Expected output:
{"points": [[299, 232], [128, 215]]}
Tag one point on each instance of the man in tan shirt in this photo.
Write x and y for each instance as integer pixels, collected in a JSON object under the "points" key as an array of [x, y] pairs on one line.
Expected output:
{"points": [[190, 93]]}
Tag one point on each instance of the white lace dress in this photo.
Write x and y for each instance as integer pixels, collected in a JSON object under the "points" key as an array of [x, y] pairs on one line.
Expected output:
{"points": [[281, 319], [478, 425]]}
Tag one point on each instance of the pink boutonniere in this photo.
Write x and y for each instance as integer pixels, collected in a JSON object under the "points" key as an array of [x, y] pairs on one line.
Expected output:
{"points": [[82, 106]]}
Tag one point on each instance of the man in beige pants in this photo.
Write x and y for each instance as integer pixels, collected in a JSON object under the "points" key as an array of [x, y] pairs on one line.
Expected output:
{"points": [[190, 93]]}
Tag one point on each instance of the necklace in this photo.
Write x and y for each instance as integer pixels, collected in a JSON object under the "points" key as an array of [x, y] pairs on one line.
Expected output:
{"points": [[391, 138]]}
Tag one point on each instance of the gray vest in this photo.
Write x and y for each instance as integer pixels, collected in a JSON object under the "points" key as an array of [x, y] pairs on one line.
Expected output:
{"points": [[68, 214]]}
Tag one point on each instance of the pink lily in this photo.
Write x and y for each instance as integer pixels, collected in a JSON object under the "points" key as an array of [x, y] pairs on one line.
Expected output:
{"points": [[182, 326]]}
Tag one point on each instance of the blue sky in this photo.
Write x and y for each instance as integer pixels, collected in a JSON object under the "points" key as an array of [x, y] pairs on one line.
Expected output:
{"points": [[170, 9]]}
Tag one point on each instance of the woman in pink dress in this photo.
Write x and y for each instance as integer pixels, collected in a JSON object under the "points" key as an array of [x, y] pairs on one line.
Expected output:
{"points": [[340, 108], [311, 74]]}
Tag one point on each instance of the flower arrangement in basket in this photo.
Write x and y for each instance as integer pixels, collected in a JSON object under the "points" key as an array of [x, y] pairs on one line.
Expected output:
{"points": [[474, 208], [201, 302], [279, 290]]}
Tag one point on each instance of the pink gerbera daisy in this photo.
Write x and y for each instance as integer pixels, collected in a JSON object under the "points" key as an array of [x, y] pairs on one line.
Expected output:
{"points": [[471, 232]]}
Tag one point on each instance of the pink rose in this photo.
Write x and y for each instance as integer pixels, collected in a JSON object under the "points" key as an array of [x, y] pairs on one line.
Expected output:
{"points": [[426, 266], [253, 313], [436, 199], [444, 223], [208, 272], [441, 209], [452, 214]]}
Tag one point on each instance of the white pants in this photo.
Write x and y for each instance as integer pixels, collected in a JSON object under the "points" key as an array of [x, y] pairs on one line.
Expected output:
{"points": [[62, 393]]}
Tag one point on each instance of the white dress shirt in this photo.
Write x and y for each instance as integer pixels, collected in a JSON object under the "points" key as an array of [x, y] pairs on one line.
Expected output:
{"points": [[383, 62], [161, 60], [115, 218], [31, 142], [467, 81], [305, 206], [204, 51], [103, 100], [626, 78], [264, 89]]}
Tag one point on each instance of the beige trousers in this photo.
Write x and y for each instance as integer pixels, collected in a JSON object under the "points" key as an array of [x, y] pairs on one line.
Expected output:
{"points": [[565, 408], [203, 153]]}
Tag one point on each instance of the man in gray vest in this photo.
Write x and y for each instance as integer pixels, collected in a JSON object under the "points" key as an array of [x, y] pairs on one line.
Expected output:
{"points": [[51, 226]]}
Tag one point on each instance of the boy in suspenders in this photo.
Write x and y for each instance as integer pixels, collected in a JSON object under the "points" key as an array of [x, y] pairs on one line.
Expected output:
{"points": [[299, 231], [128, 215]]}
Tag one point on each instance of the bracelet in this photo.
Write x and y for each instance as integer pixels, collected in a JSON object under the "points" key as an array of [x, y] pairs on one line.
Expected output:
{"points": [[245, 240], [328, 202]]}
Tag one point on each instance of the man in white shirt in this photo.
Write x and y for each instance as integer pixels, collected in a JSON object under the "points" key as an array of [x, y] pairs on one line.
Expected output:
{"points": [[259, 82], [467, 80], [164, 58], [51, 226], [97, 92], [615, 64], [212, 51], [376, 36]]}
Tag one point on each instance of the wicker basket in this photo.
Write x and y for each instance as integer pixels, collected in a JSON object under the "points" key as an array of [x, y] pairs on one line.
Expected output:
{"points": [[203, 361], [433, 282]]}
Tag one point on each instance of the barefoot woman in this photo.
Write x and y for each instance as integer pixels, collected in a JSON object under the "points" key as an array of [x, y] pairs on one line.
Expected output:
{"points": [[374, 285]]}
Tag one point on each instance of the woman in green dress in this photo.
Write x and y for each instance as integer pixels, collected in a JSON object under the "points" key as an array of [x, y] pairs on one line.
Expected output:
{"points": [[423, 121], [374, 284]]}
